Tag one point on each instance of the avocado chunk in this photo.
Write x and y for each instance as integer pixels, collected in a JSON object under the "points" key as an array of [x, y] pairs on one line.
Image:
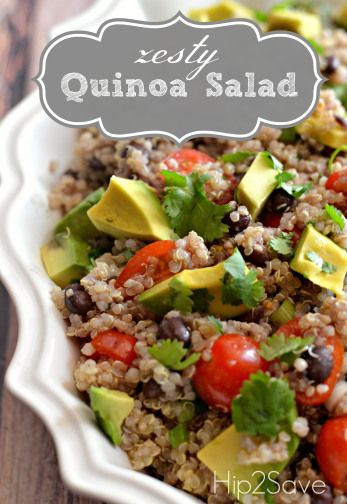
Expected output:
{"points": [[341, 15], [77, 220], [221, 457], [158, 298], [257, 184], [315, 127], [65, 258], [307, 24], [314, 248], [111, 408], [130, 208], [221, 11]]}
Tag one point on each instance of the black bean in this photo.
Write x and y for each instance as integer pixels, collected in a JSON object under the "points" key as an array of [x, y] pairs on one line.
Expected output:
{"points": [[96, 164], [332, 63], [321, 498], [71, 173], [125, 152], [280, 201], [240, 225], [151, 389], [320, 363], [258, 257], [80, 301], [174, 328]]}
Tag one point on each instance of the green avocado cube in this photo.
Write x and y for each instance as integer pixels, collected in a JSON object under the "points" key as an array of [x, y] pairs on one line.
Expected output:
{"points": [[77, 220], [65, 258], [257, 184], [306, 24], [111, 408], [226, 9], [221, 456], [132, 209], [341, 15], [320, 260], [158, 299]]}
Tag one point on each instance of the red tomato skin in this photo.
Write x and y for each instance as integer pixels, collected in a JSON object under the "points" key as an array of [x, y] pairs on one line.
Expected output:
{"points": [[338, 354], [186, 160], [291, 328], [331, 452], [234, 359], [296, 235], [338, 181], [137, 264], [115, 345]]}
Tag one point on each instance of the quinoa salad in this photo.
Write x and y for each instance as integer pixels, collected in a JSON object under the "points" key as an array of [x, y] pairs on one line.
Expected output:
{"points": [[206, 289]]}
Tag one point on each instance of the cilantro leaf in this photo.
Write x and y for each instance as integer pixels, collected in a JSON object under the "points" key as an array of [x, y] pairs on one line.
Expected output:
{"points": [[180, 296], [275, 163], [239, 287], [171, 352], [268, 489], [235, 265], [295, 190], [185, 300], [323, 265], [282, 244], [236, 157], [280, 346], [334, 155], [201, 300], [217, 323], [264, 407], [335, 215], [188, 208], [178, 435]]}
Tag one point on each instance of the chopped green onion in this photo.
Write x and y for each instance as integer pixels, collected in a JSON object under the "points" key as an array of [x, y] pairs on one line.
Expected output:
{"points": [[334, 156], [289, 135], [284, 313], [178, 435], [187, 412]]}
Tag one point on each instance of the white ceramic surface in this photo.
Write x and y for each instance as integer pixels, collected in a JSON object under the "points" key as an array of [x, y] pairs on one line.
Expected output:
{"points": [[41, 370]]}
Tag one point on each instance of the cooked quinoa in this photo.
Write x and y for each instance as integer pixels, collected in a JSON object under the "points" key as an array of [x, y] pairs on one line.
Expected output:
{"points": [[161, 393]]}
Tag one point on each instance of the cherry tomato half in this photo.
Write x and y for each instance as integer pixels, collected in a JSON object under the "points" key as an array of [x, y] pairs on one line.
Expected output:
{"points": [[292, 329], [184, 160], [234, 359], [331, 451], [338, 181], [137, 264], [116, 345]]}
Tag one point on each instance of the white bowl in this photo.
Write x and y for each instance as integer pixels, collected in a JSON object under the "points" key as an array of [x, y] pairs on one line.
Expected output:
{"points": [[41, 370]]}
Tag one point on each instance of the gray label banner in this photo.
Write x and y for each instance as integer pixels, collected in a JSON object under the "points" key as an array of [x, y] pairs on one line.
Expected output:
{"points": [[179, 79]]}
